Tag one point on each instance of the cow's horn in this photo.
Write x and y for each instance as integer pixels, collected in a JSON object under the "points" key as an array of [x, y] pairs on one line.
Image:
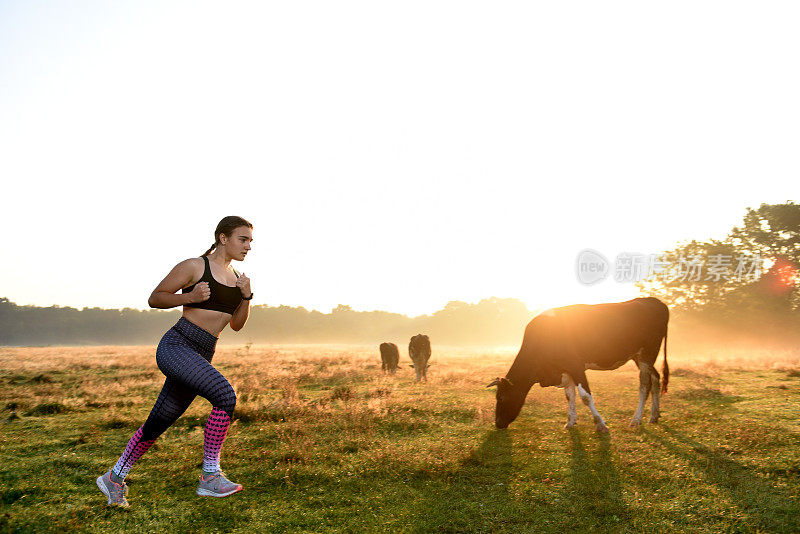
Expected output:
{"points": [[494, 382]]}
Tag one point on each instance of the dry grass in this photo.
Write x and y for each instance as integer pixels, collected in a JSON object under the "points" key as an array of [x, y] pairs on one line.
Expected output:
{"points": [[305, 379], [324, 441]]}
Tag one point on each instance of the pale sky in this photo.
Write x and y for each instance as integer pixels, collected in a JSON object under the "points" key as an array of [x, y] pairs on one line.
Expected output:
{"points": [[390, 156]]}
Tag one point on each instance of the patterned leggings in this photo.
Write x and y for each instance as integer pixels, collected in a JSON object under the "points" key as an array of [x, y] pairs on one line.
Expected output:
{"points": [[184, 356]]}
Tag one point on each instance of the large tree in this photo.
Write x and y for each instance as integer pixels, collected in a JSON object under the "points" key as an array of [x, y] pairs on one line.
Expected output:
{"points": [[752, 270]]}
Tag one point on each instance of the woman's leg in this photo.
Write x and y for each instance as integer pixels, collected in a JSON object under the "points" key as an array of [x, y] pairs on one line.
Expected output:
{"points": [[195, 373], [172, 402], [210, 384], [189, 373], [214, 436]]}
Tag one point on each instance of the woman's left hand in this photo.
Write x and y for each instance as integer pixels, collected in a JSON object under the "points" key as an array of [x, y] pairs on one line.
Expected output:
{"points": [[243, 283]]}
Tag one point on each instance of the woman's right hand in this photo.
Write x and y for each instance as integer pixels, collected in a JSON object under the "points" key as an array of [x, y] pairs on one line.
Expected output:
{"points": [[200, 293]]}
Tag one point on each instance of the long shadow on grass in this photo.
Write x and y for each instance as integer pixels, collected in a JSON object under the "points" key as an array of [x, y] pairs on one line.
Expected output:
{"points": [[473, 498], [767, 507], [595, 495]]}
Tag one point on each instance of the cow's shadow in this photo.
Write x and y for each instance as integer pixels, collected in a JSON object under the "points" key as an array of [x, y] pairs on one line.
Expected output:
{"points": [[485, 492], [469, 497], [595, 490], [491, 462], [494, 452], [767, 506]]}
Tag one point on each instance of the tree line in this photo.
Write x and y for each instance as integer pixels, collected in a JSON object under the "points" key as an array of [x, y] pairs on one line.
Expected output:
{"points": [[493, 321], [764, 304]]}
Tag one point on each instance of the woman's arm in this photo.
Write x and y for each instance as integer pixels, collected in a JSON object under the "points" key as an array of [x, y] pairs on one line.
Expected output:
{"points": [[240, 315], [243, 310], [163, 296]]}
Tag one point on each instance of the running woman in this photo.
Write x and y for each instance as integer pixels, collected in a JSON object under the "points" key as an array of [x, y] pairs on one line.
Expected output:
{"points": [[213, 296]]}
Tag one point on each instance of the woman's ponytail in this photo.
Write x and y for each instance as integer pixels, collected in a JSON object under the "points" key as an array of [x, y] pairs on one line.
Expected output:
{"points": [[212, 247]]}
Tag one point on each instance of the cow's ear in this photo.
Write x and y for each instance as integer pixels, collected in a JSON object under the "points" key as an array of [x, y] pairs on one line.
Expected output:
{"points": [[494, 382], [507, 381]]}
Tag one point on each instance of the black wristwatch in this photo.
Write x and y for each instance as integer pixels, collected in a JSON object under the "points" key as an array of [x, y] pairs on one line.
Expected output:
{"points": [[248, 298]]}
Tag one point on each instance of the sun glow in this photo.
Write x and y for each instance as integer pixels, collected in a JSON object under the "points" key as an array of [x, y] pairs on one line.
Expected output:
{"points": [[473, 160]]}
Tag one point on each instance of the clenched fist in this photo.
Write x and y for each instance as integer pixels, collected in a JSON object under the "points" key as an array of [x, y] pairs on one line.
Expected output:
{"points": [[243, 283], [200, 293]]}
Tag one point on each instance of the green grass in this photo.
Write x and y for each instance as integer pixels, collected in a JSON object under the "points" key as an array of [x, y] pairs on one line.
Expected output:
{"points": [[324, 442]]}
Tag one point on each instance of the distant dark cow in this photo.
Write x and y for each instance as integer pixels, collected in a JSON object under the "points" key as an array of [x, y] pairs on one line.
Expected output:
{"points": [[419, 350], [390, 357], [560, 344]]}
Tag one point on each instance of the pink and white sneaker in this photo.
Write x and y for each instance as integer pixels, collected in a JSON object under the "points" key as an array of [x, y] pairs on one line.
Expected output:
{"points": [[113, 490], [216, 485]]}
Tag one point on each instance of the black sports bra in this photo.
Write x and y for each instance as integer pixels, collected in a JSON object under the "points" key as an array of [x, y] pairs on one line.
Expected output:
{"points": [[223, 298]]}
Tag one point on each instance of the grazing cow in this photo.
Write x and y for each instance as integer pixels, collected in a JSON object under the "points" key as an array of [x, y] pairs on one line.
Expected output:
{"points": [[560, 344], [390, 357], [419, 350]]}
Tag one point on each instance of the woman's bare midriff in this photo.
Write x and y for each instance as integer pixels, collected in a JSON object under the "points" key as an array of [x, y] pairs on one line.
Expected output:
{"points": [[211, 321]]}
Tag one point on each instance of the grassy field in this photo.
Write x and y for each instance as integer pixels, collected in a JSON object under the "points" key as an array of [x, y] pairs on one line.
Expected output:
{"points": [[322, 441]]}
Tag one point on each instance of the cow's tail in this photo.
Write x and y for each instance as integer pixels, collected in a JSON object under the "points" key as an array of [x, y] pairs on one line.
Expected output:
{"points": [[665, 367]]}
